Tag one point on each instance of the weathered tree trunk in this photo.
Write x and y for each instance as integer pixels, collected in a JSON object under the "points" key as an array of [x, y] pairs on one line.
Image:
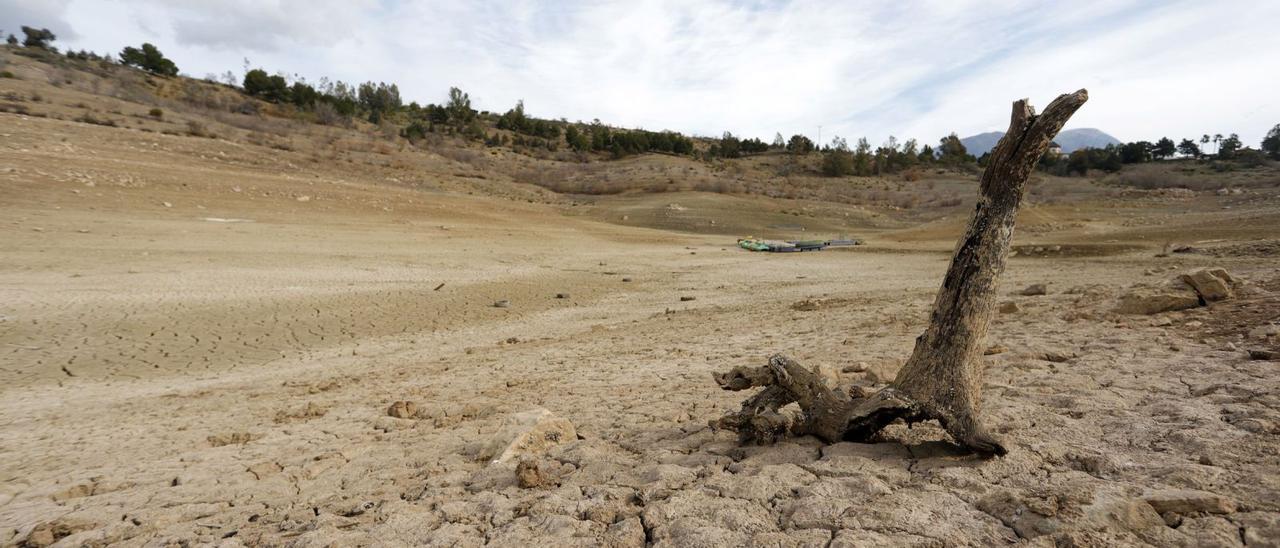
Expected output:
{"points": [[942, 380]]}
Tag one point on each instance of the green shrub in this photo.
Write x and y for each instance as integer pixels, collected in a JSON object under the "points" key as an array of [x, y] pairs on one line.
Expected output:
{"points": [[149, 59], [7, 74], [156, 113]]}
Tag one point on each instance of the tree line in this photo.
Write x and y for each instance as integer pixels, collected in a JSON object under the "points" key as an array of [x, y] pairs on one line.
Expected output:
{"points": [[1112, 158], [335, 101]]}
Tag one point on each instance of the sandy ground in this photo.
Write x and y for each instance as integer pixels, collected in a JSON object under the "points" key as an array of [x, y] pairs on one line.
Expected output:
{"points": [[199, 343]]}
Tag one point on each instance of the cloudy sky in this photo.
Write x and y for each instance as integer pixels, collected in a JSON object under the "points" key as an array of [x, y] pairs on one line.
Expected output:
{"points": [[754, 67]]}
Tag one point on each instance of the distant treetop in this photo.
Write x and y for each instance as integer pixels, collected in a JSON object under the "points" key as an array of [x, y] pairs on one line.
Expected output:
{"points": [[149, 59]]}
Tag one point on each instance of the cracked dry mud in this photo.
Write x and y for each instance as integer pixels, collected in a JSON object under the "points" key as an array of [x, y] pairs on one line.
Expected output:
{"points": [[166, 379]]}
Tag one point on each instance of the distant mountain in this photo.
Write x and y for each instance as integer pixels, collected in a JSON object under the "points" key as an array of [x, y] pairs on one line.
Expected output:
{"points": [[1071, 140], [981, 143]]}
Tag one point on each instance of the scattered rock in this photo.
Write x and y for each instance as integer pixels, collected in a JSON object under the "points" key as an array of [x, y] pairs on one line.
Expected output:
{"points": [[1258, 528], [502, 304], [358, 509], [167, 204], [562, 295], [79, 490], [527, 433], [1262, 354], [304, 198], [1009, 307], [1035, 289], [403, 410], [1154, 301], [231, 438], [995, 349], [1264, 332], [808, 305], [626, 279], [530, 474], [1056, 356], [1187, 501], [687, 298], [855, 368], [1014, 513], [1212, 284], [626, 533], [1124, 514], [883, 371], [309, 411], [46, 534]]}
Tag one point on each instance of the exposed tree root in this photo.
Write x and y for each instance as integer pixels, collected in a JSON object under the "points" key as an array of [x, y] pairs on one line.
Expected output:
{"points": [[942, 380]]}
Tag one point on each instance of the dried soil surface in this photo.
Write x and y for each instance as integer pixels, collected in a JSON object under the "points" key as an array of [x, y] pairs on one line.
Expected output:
{"points": [[200, 341]]}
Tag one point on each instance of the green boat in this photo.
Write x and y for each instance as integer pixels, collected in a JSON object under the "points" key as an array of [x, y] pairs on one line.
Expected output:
{"points": [[753, 244]]}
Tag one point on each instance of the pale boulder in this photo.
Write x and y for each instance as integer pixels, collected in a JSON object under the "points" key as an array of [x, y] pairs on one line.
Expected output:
{"points": [[1141, 300], [1212, 284], [528, 433]]}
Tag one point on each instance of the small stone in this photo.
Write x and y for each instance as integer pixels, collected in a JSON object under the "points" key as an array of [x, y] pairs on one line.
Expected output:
{"points": [[1263, 332], [1262, 354], [562, 295], [808, 305], [687, 298], [626, 279], [530, 474], [502, 304], [855, 368], [232, 438], [1056, 356], [1009, 307], [995, 349], [167, 204], [402, 409], [1187, 501], [1035, 289]]}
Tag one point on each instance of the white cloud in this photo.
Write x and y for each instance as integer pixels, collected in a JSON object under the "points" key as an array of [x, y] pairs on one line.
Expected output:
{"points": [[912, 69]]}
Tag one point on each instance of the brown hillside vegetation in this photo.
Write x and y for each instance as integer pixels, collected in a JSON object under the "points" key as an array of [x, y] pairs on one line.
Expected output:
{"points": [[231, 328]]}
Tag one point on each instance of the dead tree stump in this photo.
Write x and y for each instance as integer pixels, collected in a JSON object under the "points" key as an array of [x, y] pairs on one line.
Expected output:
{"points": [[942, 380]]}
